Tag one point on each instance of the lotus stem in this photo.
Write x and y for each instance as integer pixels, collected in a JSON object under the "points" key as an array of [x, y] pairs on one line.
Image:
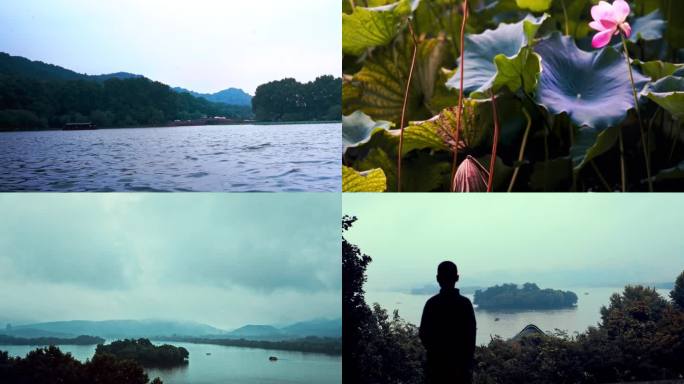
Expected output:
{"points": [[522, 150], [495, 144], [565, 15], [622, 163], [459, 114], [644, 142], [403, 108], [600, 176]]}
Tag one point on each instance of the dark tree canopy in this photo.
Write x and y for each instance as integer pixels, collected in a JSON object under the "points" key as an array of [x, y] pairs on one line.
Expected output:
{"points": [[27, 103], [677, 294], [50, 365], [290, 100], [145, 353]]}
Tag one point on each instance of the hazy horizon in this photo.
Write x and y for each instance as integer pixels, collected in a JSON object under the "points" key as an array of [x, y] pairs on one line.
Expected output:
{"points": [[555, 241], [225, 260], [204, 46]]}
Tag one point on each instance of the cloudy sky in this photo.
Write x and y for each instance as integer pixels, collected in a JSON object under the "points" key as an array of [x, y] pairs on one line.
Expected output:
{"points": [[221, 259], [552, 239], [203, 45]]}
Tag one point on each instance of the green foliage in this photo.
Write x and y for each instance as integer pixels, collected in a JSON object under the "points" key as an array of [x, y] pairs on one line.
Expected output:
{"points": [[677, 294], [369, 181], [50, 365], [145, 353], [579, 98], [668, 92], [372, 27], [27, 103], [289, 100]]}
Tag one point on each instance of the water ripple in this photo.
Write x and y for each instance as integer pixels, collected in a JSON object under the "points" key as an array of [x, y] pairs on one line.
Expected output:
{"points": [[213, 158]]}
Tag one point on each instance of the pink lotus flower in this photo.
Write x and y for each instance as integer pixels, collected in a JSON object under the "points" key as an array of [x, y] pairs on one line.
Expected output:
{"points": [[609, 20]]}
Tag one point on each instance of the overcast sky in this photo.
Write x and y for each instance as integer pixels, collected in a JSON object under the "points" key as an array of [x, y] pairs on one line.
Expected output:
{"points": [[551, 239], [222, 259], [202, 45]]}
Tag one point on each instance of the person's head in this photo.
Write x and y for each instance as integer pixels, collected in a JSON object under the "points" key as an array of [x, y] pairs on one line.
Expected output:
{"points": [[447, 274]]}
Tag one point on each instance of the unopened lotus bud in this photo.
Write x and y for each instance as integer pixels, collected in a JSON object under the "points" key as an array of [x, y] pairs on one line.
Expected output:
{"points": [[471, 176]]}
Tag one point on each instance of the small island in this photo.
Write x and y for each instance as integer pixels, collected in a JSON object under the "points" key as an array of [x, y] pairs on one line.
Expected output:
{"points": [[145, 353], [80, 340], [529, 296]]}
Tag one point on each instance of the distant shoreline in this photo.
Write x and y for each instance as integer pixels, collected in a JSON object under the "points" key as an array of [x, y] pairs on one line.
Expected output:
{"points": [[313, 122]]}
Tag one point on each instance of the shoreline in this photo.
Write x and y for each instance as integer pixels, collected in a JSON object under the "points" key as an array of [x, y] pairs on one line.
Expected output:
{"points": [[314, 122]]}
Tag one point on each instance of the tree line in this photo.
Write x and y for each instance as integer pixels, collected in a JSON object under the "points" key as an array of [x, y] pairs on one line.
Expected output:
{"points": [[289, 100], [640, 338], [79, 340], [50, 365], [311, 344], [30, 103]]}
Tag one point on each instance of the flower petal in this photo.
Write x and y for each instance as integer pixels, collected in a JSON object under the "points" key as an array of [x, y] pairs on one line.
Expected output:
{"points": [[602, 39], [602, 11], [627, 29], [597, 26], [620, 10], [608, 24]]}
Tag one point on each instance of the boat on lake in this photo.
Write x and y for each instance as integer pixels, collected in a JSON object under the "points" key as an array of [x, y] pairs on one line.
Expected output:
{"points": [[272, 358], [79, 126]]}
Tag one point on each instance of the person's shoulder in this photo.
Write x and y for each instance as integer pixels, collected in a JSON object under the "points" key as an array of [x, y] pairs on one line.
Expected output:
{"points": [[432, 299], [464, 300]]}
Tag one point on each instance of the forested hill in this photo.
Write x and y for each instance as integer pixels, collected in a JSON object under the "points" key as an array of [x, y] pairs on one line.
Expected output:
{"points": [[529, 296], [35, 95], [290, 100]]}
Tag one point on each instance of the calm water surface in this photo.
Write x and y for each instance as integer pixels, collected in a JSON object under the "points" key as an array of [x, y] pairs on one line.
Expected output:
{"points": [[510, 323], [231, 365], [209, 158]]}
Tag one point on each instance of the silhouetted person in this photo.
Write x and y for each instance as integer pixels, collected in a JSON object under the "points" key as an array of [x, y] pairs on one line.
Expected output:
{"points": [[447, 330]]}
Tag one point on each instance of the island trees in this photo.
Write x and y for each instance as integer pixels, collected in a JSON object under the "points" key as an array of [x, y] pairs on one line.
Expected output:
{"points": [[145, 353], [529, 296]]}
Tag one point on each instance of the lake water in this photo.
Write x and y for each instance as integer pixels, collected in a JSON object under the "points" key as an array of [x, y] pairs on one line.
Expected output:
{"points": [[509, 323], [297, 157], [231, 365]]}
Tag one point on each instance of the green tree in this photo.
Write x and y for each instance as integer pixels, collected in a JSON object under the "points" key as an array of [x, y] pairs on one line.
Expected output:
{"points": [[677, 293]]}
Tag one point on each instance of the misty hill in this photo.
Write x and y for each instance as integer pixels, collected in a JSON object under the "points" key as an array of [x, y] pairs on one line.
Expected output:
{"points": [[150, 328], [121, 328], [317, 328], [230, 96], [80, 340], [36, 95], [256, 332], [31, 333]]}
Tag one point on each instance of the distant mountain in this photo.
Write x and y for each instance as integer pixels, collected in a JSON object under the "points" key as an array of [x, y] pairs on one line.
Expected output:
{"points": [[230, 96], [151, 328], [23, 67], [119, 328], [256, 332], [31, 333], [319, 327]]}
